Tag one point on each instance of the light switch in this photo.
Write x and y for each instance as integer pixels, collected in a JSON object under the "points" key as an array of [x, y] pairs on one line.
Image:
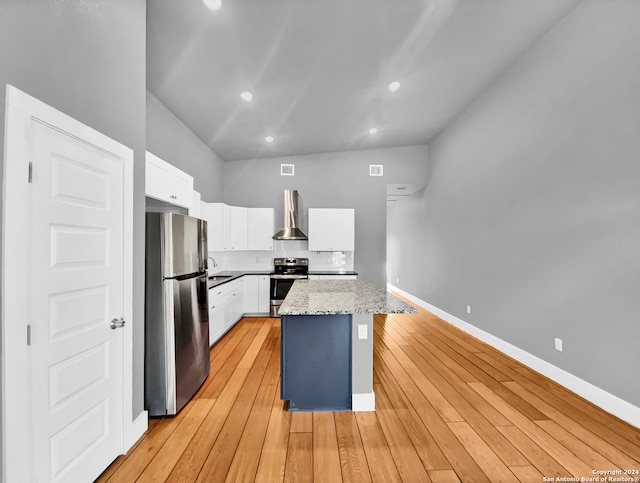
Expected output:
{"points": [[362, 331]]}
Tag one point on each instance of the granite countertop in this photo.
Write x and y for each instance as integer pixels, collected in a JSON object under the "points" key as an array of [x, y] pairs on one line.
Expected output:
{"points": [[324, 297]]}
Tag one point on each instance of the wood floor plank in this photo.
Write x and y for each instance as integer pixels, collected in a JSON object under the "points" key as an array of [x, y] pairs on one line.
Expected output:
{"points": [[444, 476], [221, 373], [566, 402], [571, 462], [535, 454], [470, 356], [197, 451], [164, 461], [252, 351], [438, 401], [326, 458], [448, 381], [274, 451], [573, 427], [247, 455], [381, 464], [220, 456], [425, 445], [527, 474], [299, 467], [404, 453], [452, 364], [272, 374], [616, 431], [353, 460], [490, 463], [479, 413], [301, 422], [579, 448], [447, 404], [483, 372], [461, 461]]}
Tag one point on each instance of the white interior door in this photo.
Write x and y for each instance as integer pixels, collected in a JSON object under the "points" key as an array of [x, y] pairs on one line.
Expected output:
{"points": [[76, 276], [73, 277]]}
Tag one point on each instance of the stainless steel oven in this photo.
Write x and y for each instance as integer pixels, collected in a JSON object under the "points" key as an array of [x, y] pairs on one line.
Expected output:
{"points": [[285, 272]]}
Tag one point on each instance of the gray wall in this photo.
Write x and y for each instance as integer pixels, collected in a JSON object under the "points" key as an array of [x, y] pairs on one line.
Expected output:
{"points": [[335, 180], [86, 58], [532, 212], [169, 139]]}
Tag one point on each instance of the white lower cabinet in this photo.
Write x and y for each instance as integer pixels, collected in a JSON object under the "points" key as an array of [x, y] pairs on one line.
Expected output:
{"points": [[234, 307], [264, 285], [230, 301], [256, 294], [216, 323], [226, 307]]}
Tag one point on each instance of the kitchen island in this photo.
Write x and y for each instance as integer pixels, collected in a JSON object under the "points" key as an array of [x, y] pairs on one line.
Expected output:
{"points": [[326, 343]]}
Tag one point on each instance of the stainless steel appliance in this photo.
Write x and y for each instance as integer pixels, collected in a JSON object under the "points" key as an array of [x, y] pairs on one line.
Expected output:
{"points": [[285, 272], [290, 230], [176, 311]]}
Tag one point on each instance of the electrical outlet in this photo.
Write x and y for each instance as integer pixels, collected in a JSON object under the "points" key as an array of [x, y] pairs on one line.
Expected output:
{"points": [[362, 331], [398, 280], [558, 344], [468, 309]]}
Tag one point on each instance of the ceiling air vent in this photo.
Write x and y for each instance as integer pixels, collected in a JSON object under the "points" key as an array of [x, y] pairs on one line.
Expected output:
{"points": [[375, 170], [287, 169]]}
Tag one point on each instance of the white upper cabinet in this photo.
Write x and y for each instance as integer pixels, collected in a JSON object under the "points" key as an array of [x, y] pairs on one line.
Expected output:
{"points": [[195, 209], [237, 228], [167, 183], [260, 228], [217, 216], [233, 228], [332, 229]]}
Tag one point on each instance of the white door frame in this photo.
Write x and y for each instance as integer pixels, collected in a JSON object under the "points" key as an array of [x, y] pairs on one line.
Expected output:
{"points": [[22, 109]]}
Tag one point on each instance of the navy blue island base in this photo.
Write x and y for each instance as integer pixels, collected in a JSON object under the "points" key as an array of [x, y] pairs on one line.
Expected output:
{"points": [[315, 362]]}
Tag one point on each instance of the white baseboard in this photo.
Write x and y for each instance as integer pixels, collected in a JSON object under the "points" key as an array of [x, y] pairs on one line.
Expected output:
{"points": [[136, 430], [363, 402], [601, 398]]}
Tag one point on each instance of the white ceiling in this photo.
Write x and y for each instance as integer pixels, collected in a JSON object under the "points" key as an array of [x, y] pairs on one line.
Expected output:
{"points": [[319, 70]]}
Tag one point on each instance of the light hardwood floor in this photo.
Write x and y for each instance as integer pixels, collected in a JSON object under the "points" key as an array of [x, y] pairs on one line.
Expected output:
{"points": [[449, 408]]}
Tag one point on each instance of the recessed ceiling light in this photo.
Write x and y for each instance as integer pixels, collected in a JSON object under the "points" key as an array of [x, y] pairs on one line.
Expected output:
{"points": [[213, 4], [373, 130], [394, 86], [269, 139], [246, 96]]}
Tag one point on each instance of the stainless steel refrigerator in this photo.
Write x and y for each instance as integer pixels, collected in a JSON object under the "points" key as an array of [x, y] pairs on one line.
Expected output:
{"points": [[176, 311]]}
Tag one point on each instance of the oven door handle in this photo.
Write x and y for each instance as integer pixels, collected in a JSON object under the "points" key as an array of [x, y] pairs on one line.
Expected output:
{"points": [[288, 277]]}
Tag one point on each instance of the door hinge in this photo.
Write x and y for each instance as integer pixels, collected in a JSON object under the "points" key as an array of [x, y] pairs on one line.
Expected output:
{"points": [[30, 172], [29, 334]]}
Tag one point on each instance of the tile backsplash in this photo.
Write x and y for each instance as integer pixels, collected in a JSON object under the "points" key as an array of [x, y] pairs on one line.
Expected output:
{"points": [[263, 260]]}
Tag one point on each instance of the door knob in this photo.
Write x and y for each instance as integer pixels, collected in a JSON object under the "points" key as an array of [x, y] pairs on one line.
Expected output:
{"points": [[117, 323]]}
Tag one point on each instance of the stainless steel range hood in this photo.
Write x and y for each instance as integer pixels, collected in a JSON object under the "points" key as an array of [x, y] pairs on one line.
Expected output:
{"points": [[290, 230]]}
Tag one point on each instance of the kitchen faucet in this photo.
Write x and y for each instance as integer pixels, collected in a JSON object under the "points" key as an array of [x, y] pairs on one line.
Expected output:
{"points": [[214, 262]]}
